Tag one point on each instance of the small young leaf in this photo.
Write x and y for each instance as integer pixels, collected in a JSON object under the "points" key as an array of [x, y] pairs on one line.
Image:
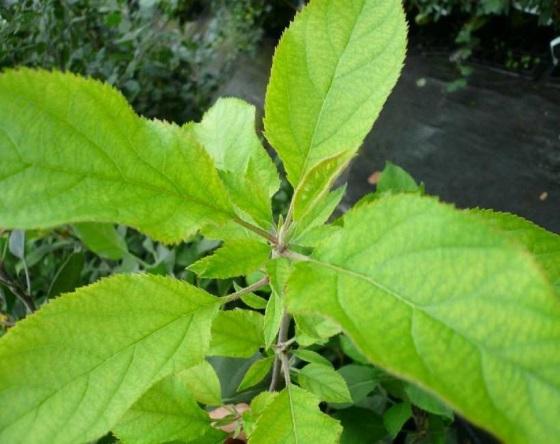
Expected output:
{"points": [[360, 379], [70, 371], [301, 232], [68, 276], [254, 301], [332, 72], [258, 406], [396, 180], [102, 239], [325, 382], [419, 276], [312, 203], [395, 418], [167, 412], [427, 402], [73, 150], [311, 329], [16, 243], [311, 357], [227, 131], [293, 417], [256, 373], [234, 258], [203, 383], [272, 319], [237, 334]]}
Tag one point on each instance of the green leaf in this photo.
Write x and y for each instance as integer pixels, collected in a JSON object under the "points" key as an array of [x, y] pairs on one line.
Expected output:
{"points": [[272, 319], [437, 297], [311, 357], [543, 244], [351, 351], [427, 402], [203, 383], [360, 426], [167, 412], [227, 131], [71, 370], [396, 180], [256, 373], [68, 276], [234, 258], [278, 272], [312, 203], [332, 72], [258, 406], [102, 239], [309, 230], [73, 150], [312, 329], [16, 243], [294, 417], [252, 300], [325, 382], [316, 184], [360, 379], [237, 334], [396, 417]]}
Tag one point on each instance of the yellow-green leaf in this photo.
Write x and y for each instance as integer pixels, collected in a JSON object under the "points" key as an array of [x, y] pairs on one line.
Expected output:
{"points": [[441, 299], [71, 370], [73, 150], [332, 72]]}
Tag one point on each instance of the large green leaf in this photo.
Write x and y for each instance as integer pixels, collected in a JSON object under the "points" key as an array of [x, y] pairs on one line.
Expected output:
{"points": [[165, 413], [69, 372], [73, 150], [543, 244], [293, 417], [227, 131], [332, 72], [435, 296]]}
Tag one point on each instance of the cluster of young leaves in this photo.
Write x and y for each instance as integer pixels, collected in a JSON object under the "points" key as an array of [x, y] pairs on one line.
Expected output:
{"points": [[463, 305]]}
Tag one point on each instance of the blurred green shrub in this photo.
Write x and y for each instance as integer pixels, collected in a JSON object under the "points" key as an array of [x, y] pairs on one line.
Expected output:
{"points": [[167, 56]]}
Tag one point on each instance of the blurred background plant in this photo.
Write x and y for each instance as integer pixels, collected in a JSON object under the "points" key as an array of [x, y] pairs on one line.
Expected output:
{"points": [[492, 31], [166, 56]]}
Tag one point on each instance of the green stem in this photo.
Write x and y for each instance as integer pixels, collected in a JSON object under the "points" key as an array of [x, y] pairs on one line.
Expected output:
{"points": [[263, 233], [238, 294], [281, 363]]}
